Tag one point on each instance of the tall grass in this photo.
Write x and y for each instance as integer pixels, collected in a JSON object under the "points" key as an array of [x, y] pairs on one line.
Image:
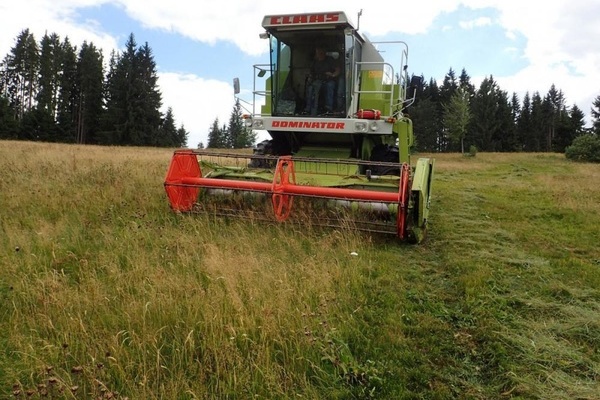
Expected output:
{"points": [[105, 293]]}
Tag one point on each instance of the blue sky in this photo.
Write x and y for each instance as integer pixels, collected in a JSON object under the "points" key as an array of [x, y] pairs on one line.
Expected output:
{"points": [[200, 46]]}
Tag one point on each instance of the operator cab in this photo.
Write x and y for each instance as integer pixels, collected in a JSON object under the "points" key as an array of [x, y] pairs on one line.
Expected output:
{"points": [[293, 39]]}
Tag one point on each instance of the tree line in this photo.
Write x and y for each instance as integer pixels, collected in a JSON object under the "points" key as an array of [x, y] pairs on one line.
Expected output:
{"points": [[235, 135], [456, 115], [53, 91]]}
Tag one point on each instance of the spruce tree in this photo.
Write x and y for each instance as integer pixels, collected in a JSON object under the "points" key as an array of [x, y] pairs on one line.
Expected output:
{"points": [[464, 82], [484, 123], [146, 99], [182, 137], [537, 123], [67, 107], [9, 127], [49, 77], [40, 123], [427, 117], [89, 95], [237, 133], [569, 126], [216, 136], [577, 118], [524, 125], [595, 112], [133, 100], [167, 134], [129, 93], [504, 138], [556, 113], [22, 65], [511, 140], [115, 103]]}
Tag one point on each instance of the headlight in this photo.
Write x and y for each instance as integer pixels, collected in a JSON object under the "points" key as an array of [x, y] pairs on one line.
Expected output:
{"points": [[360, 126], [248, 122], [374, 127], [258, 124]]}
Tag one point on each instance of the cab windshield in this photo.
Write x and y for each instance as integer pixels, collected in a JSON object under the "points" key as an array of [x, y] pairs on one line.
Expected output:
{"points": [[292, 63]]}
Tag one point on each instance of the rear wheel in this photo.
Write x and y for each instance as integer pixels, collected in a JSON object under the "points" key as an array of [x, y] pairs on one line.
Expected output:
{"points": [[385, 153], [264, 148]]}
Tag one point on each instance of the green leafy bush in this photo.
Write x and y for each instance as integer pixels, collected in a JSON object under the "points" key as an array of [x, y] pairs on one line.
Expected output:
{"points": [[472, 151], [584, 148]]}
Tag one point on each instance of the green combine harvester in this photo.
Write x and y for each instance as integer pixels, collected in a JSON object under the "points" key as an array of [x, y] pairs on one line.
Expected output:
{"points": [[339, 147]]}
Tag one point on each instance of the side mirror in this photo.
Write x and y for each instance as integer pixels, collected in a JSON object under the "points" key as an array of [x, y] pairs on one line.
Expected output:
{"points": [[236, 85], [416, 82]]}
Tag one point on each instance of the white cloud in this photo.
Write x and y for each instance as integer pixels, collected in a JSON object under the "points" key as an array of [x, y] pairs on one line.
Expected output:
{"points": [[561, 48], [196, 102], [239, 22], [45, 16], [475, 23]]}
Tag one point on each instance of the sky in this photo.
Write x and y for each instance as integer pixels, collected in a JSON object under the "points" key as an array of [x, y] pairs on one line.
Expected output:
{"points": [[200, 46]]}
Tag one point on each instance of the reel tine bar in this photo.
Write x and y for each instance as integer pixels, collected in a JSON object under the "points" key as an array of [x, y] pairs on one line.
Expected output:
{"points": [[184, 179]]}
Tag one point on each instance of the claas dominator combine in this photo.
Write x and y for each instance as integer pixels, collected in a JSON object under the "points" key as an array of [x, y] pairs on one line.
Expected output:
{"points": [[338, 152]]}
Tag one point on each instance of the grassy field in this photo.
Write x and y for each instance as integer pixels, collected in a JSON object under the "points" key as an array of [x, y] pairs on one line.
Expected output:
{"points": [[105, 293]]}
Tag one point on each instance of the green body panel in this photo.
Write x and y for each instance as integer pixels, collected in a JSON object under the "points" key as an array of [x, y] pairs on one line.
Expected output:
{"points": [[404, 129], [420, 198], [371, 81], [266, 108]]}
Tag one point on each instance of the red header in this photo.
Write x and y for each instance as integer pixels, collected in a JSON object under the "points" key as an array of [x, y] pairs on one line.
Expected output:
{"points": [[274, 21]]}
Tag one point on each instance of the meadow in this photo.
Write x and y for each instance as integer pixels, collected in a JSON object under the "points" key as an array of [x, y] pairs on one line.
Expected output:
{"points": [[105, 293]]}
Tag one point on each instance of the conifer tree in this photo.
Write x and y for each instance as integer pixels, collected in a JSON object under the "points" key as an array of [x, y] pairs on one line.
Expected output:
{"points": [[182, 137], [595, 112], [238, 136], [484, 123], [49, 76], [39, 123], [166, 135], [9, 127], [524, 125], [89, 95], [146, 99], [22, 66], [510, 141], [133, 99], [426, 115], [216, 136], [570, 125], [115, 103], [556, 113], [67, 107], [537, 123], [464, 82]]}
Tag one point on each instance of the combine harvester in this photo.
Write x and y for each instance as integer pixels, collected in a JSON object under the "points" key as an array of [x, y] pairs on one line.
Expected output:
{"points": [[339, 144]]}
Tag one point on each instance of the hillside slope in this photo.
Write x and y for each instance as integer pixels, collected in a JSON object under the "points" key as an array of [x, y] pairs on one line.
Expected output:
{"points": [[105, 293]]}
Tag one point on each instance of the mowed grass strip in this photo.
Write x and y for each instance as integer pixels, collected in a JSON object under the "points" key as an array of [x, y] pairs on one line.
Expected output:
{"points": [[106, 293]]}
